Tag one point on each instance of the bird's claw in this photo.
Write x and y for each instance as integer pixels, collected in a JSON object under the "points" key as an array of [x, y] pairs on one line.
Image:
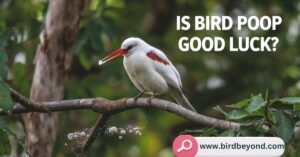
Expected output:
{"points": [[135, 100], [138, 96], [149, 101]]}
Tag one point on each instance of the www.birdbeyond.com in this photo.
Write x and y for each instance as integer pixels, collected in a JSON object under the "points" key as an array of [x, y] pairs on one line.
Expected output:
{"points": [[151, 78]]}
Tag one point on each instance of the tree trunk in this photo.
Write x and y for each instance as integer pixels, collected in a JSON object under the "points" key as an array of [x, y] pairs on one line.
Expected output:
{"points": [[53, 59]]}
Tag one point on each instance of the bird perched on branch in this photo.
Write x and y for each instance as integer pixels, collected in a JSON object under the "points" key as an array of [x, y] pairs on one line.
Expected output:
{"points": [[150, 70]]}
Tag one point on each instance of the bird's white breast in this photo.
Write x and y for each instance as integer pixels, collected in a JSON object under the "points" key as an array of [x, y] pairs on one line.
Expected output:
{"points": [[142, 73]]}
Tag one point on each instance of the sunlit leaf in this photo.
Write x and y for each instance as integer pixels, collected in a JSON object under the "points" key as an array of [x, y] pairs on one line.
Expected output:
{"points": [[241, 104], [116, 3], [234, 114], [237, 114], [256, 103]]}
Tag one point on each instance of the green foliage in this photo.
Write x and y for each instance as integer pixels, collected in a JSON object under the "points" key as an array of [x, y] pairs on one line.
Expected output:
{"points": [[3, 67], [6, 103], [284, 126], [228, 133], [244, 108], [4, 36], [5, 147], [9, 132], [288, 100], [256, 103], [294, 101], [251, 129], [255, 112]]}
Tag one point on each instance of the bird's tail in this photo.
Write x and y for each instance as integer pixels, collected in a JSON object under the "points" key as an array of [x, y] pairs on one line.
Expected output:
{"points": [[182, 100]]}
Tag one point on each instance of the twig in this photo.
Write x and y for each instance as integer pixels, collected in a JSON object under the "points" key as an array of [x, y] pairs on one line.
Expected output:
{"points": [[266, 111], [94, 132], [26, 102]]}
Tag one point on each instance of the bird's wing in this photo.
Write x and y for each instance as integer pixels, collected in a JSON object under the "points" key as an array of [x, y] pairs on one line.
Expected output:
{"points": [[165, 68]]}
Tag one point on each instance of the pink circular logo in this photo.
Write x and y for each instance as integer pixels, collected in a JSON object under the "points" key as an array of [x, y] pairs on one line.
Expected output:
{"points": [[185, 146]]}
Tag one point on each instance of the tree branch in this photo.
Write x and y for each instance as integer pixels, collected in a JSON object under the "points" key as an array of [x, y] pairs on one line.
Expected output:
{"points": [[26, 102], [105, 106], [93, 134], [109, 107]]}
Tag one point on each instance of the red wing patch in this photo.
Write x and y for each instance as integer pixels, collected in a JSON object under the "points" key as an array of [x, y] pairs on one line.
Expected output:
{"points": [[155, 57]]}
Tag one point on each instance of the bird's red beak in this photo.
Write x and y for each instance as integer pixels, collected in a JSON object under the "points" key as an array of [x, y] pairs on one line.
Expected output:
{"points": [[113, 55]]}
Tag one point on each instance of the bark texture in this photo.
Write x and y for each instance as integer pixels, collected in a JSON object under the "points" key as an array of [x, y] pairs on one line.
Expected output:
{"points": [[53, 59]]}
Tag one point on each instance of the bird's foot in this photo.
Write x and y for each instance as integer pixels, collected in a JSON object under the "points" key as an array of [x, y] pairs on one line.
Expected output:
{"points": [[138, 96], [150, 99]]}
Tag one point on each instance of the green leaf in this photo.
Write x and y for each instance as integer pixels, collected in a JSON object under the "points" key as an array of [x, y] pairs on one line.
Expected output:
{"points": [[239, 105], [256, 103], [5, 147], [246, 107], [3, 56], [3, 72], [85, 61], [227, 133], [297, 107], [218, 108], [234, 114], [6, 103], [81, 41], [294, 113], [3, 67], [9, 132], [288, 100], [237, 114], [297, 145], [116, 3], [6, 129], [6, 35], [250, 129], [284, 126]]}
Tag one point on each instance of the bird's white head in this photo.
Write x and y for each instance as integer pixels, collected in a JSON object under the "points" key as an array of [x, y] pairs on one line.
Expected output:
{"points": [[128, 47]]}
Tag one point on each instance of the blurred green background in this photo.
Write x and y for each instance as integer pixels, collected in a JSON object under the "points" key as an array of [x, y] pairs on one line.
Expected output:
{"points": [[209, 78]]}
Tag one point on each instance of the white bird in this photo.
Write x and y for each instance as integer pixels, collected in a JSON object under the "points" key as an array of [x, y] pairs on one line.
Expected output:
{"points": [[150, 70]]}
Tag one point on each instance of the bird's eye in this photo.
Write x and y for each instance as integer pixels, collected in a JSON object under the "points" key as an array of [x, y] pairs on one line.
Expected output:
{"points": [[129, 47]]}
